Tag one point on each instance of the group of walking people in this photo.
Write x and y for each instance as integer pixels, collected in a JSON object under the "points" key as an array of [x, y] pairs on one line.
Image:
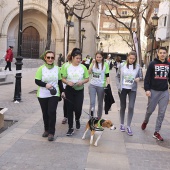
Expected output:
{"points": [[68, 82], [155, 85]]}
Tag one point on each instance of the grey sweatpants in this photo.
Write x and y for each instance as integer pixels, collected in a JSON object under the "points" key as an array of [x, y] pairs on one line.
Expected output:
{"points": [[161, 98], [132, 97], [93, 90]]}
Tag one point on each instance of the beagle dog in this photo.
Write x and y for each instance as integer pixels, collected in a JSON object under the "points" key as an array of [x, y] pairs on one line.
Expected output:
{"points": [[95, 124]]}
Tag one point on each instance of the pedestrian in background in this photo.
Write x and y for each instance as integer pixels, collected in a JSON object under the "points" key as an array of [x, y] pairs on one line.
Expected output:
{"points": [[87, 61], [128, 75], [64, 121], [156, 87], [48, 78], [117, 63], [108, 60], [60, 60], [99, 71], [75, 76], [9, 58]]}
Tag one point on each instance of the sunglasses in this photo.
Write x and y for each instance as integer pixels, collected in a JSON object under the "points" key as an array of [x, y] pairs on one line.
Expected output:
{"points": [[49, 57]]}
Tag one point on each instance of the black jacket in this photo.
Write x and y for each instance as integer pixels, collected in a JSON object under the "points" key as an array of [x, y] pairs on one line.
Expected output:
{"points": [[157, 76], [108, 98]]}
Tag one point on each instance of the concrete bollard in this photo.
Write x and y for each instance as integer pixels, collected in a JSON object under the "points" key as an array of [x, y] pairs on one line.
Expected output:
{"points": [[2, 111]]}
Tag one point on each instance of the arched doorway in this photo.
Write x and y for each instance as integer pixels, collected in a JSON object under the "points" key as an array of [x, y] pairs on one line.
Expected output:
{"points": [[30, 43]]}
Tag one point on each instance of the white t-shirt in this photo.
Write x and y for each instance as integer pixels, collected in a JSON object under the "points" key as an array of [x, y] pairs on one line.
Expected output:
{"points": [[128, 77], [75, 74], [87, 61], [50, 76], [117, 64], [98, 77]]}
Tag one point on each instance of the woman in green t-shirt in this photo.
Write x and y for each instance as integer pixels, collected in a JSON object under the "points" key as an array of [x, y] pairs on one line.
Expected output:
{"points": [[48, 79], [75, 75]]}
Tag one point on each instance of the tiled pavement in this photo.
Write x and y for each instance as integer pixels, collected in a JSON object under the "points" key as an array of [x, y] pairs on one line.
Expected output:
{"points": [[23, 148]]}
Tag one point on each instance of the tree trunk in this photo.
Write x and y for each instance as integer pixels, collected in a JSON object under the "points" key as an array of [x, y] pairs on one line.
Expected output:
{"points": [[139, 31], [49, 25], [139, 41]]}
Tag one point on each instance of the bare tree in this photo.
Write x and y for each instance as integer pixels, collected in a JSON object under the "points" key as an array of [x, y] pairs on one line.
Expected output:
{"points": [[128, 40], [49, 24], [82, 10], [136, 9]]}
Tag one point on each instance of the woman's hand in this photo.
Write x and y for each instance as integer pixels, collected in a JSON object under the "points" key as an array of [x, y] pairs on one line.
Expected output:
{"points": [[79, 83], [63, 95], [137, 80], [70, 83], [48, 86], [93, 61]]}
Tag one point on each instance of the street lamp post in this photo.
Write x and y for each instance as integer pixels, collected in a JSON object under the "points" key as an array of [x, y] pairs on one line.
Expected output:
{"points": [[82, 38], [154, 24], [69, 24], [19, 58], [97, 40]]}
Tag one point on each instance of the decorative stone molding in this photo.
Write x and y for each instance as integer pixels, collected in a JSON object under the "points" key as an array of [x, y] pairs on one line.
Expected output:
{"points": [[57, 26], [3, 3]]}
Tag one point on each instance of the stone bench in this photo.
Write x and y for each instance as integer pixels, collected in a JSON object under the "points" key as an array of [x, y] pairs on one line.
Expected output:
{"points": [[6, 78], [2, 111]]}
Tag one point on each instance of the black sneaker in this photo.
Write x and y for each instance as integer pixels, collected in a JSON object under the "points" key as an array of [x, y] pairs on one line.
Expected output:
{"points": [[50, 137], [45, 134], [70, 132], [77, 124]]}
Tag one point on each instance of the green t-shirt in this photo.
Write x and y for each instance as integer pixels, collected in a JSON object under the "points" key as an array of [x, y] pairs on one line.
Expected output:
{"points": [[50, 76], [98, 75], [75, 74], [63, 67]]}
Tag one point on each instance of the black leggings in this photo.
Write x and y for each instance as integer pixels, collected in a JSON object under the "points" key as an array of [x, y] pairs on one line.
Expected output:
{"points": [[8, 65], [74, 103], [48, 107], [65, 108]]}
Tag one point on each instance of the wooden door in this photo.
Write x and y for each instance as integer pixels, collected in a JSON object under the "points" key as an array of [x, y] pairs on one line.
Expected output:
{"points": [[30, 43]]}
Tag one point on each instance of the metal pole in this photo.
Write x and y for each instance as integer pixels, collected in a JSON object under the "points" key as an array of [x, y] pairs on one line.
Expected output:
{"points": [[68, 33], [82, 44], [17, 93]]}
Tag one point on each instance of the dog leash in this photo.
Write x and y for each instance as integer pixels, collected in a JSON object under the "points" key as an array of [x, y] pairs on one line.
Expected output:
{"points": [[82, 109]]}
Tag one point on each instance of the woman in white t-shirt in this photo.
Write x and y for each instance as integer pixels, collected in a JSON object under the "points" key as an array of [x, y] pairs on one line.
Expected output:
{"points": [[128, 75], [75, 75], [50, 87], [99, 71]]}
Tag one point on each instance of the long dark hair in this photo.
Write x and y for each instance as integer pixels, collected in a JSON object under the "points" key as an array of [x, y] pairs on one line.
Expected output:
{"points": [[134, 64], [75, 52], [96, 63]]}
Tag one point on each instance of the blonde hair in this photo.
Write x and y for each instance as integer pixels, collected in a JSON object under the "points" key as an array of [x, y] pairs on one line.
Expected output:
{"points": [[69, 58]]}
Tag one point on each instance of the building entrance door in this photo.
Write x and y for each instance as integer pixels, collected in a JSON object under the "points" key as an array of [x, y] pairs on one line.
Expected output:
{"points": [[30, 43]]}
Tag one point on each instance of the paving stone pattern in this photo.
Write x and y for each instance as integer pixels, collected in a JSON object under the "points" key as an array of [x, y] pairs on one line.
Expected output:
{"points": [[23, 148]]}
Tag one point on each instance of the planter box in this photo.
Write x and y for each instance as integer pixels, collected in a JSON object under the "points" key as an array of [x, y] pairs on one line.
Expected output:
{"points": [[2, 111]]}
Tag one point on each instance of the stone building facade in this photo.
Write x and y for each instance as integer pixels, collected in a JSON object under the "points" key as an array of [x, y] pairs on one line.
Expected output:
{"points": [[35, 28]]}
